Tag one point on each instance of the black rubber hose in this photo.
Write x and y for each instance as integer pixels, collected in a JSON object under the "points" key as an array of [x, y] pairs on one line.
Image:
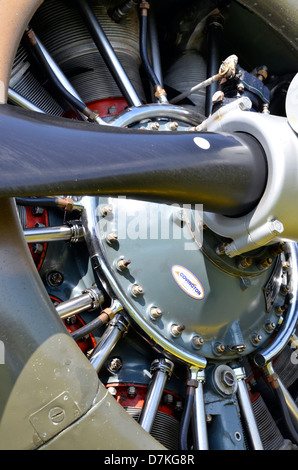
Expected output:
{"points": [[215, 30], [292, 433], [186, 417], [48, 155], [86, 329], [41, 201]]}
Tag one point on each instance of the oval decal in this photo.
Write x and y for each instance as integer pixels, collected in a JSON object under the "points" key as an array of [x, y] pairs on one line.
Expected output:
{"points": [[188, 282]]}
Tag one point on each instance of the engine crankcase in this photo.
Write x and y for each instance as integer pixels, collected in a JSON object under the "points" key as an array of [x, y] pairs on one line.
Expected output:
{"points": [[168, 269]]}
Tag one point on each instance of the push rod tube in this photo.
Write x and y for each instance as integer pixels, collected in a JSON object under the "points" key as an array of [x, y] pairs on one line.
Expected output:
{"points": [[199, 414], [224, 172], [90, 299], [49, 234], [115, 330], [108, 53], [162, 370], [247, 411]]}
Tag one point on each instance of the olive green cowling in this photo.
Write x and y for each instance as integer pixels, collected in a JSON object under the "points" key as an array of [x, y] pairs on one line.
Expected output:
{"points": [[50, 395]]}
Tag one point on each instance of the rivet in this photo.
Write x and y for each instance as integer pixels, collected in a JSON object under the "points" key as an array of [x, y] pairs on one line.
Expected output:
{"points": [[123, 264], [137, 290]]}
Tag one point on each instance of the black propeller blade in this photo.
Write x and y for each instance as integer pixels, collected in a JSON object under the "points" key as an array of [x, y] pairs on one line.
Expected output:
{"points": [[46, 155]]}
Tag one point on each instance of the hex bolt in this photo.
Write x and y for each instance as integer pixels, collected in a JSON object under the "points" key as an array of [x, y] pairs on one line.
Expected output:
{"points": [[256, 339], [285, 265], [106, 210], [154, 126], [284, 289], [37, 248], [178, 406], [176, 330], [197, 341], [240, 86], [112, 237], [137, 290], [281, 309], [219, 348], [168, 399], [270, 326], [131, 391], [221, 249], [277, 250], [37, 211], [155, 313], [123, 264], [245, 262], [173, 126], [265, 263]]}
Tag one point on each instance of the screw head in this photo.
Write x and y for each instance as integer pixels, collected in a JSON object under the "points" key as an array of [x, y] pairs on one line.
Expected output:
{"points": [[57, 415]]}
